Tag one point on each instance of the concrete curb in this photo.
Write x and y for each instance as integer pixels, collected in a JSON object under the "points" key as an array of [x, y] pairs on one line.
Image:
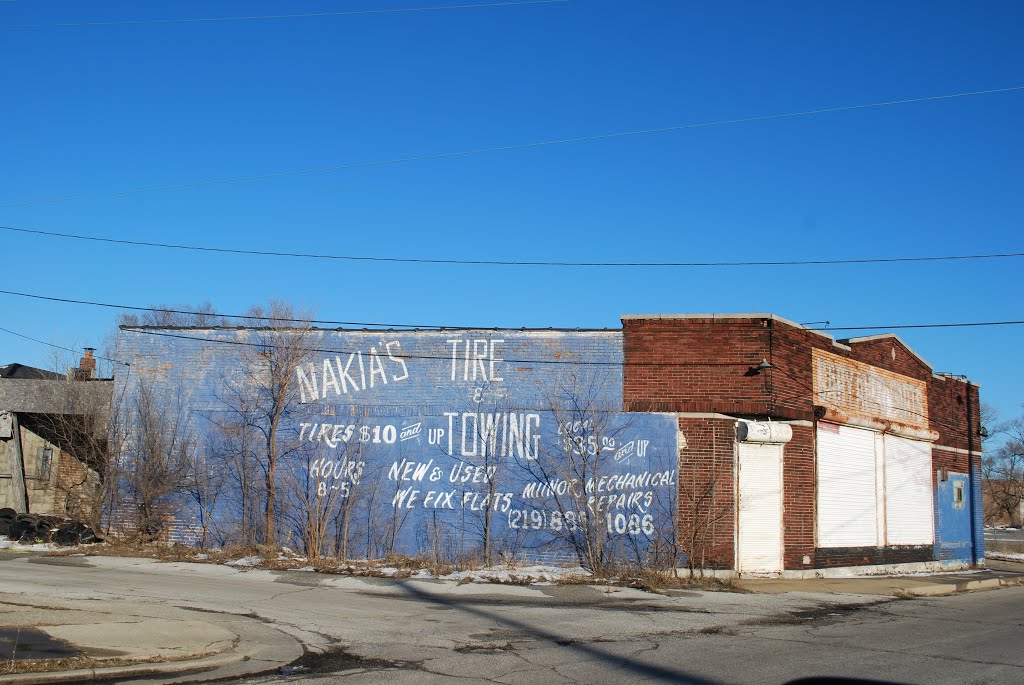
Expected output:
{"points": [[964, 586], [260, 648], [129, 671]]}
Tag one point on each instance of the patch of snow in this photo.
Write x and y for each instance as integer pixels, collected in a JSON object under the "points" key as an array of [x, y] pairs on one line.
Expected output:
{"points": [[518, 574], [852, 573], [304, 568], [202, 556], [246, 562], [35, 547], [1008, 556]]}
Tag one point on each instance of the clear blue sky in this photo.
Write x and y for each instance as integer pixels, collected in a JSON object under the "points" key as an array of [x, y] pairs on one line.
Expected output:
{"points": [[106, 108]]}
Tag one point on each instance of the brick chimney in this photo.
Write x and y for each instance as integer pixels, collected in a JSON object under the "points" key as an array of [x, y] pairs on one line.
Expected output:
{"points": [[87, 366]]}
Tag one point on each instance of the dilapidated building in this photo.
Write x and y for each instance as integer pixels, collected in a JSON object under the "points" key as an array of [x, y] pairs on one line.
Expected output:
{"points": [[739, 443], [53, 436], [878, 463]]}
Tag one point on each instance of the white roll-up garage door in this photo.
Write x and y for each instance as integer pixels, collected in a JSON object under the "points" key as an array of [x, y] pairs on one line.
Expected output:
{"points": [[760, 508], [847, 493], [909, 515]]}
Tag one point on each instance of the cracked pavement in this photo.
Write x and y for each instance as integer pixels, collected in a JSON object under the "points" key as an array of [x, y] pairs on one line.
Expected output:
{"points": [[366, 630]]}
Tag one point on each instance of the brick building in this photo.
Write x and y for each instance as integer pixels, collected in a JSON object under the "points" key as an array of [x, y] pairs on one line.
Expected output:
{"points": [[758, 445], [53, 435], [879, 463]]}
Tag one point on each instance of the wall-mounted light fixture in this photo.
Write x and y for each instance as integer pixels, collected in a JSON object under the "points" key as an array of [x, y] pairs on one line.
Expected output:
{"points": [[758, 368]]}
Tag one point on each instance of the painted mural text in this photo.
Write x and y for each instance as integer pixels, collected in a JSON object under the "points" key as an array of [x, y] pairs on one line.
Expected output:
{"points": [[476, 359], [358, 371]]}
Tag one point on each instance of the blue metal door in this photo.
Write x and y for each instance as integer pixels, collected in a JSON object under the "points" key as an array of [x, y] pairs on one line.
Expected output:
{"points": [[953, 509]]}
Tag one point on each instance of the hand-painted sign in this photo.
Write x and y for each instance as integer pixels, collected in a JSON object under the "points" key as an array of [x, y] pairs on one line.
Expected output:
{"points": [[445, 442], [867, 391]]}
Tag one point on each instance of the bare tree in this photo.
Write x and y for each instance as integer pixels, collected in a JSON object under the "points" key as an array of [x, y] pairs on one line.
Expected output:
{"points": [[234, 447], [480, 474], [264, 395], [205, 478], [198, 316], [1003, 471], [705, 504], [158, 448], [570, 470], [320, 487]]}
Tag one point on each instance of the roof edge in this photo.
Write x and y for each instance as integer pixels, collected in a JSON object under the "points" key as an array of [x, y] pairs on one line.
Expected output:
{"points": [[727, 317], [884, 336]]}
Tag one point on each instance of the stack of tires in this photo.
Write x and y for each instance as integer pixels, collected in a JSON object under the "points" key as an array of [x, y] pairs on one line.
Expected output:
{"points": [[29, 528], [7, 516], [71, 534]]}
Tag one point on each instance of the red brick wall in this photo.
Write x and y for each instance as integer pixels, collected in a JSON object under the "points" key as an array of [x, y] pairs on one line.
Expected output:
{"points": [[707, 491], [798, 499], [951, 461], [868, 556], [953, 413], [694, 365], [891, 355], [703, 365]]}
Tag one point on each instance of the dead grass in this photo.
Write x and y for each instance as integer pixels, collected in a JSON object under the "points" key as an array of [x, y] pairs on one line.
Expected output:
{"points": [[669, 580], [1005, 546], [273, 556], [512, 579], [15, 666], [395, 566], [656, 581]]}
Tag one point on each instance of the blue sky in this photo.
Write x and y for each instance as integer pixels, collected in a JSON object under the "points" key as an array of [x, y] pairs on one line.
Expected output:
{"points": [[92, 109]]}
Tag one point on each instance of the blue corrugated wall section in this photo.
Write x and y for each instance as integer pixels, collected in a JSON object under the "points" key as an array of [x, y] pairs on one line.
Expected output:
{"points": [[978, 511]]}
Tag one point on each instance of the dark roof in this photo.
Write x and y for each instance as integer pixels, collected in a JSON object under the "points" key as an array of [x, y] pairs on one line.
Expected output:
{"points": [[22, 371]]}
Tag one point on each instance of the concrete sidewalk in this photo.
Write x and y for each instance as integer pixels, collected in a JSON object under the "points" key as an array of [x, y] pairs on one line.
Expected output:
{"points": [[997, 574], [82, 640], [104, 639]]}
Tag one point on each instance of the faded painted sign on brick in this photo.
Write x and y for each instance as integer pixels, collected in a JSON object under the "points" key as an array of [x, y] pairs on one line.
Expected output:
{"points": [[859, 389]]}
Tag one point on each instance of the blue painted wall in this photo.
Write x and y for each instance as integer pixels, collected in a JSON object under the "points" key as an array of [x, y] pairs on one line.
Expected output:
{"points": [[426, 433], [953, 540], [977, 512]]}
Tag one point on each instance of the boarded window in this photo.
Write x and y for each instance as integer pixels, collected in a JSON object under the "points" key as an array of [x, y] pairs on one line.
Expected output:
{"points": [[909, 511], [45, 463], [958, 494], [847, 499]]}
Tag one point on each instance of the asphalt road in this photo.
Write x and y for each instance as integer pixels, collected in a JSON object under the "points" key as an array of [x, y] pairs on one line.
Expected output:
{"points": [[379, 631]]}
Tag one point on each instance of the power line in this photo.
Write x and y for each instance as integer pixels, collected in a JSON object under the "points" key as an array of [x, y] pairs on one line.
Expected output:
{"points": [[59, 347], [506, 148], [447, 358], [216, 315], [267, 17], [814, 395], [499, 262], [443, 327], [963, 324]]}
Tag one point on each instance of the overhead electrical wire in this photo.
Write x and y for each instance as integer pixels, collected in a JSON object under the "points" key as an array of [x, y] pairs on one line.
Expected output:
{"points": [[445, 327], [507, 148], [500, 262], [811, 396], [403, 355], [268, 17], [59, 347]]}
